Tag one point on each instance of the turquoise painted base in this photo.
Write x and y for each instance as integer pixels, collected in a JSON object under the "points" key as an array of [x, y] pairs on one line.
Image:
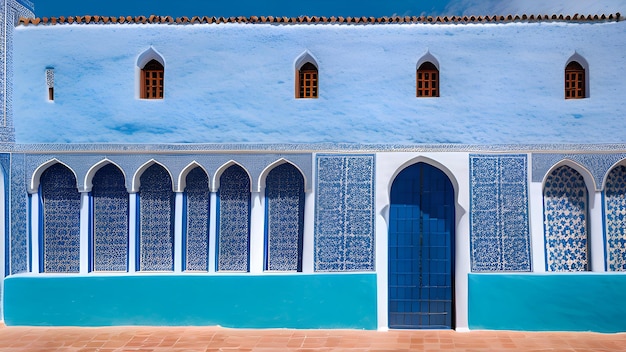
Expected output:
{"points": [[298, 301], [548, 302]]}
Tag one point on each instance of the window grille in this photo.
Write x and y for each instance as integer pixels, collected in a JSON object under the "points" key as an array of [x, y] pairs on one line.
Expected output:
{"points": [[427, 80], [152, 80], [307, 81], [574, 81]]}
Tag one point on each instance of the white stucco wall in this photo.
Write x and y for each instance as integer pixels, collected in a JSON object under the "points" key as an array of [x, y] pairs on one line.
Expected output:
{"points": [[500, 83]]}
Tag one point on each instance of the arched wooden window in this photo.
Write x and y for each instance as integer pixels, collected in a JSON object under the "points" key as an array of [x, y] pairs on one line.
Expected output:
{"points": [[427, 80], [307, 81], [574, 81], [152, 80]]}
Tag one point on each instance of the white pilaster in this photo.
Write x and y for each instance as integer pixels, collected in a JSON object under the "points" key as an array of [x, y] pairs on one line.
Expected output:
{"points": [[132, 232], [84, 232], [34, 233], [308, 240], [535, 205], [596, 232], [178, 232], [212, 230], [257, 232]]}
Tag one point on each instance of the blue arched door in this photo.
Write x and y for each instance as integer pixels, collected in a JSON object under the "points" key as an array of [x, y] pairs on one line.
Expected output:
{"points": [[421, 248]]}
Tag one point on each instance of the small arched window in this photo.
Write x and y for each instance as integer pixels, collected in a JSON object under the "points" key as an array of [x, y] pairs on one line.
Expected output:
{"points": [[152, 80], [574, 81], [307, 85], [427, 80]]}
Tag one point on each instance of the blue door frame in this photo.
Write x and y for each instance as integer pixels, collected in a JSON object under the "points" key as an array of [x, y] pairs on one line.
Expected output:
{"points": [[421, 248]]}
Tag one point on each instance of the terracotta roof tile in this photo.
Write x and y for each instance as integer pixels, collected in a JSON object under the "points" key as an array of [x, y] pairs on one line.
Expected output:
{"points": [[88, 19]]}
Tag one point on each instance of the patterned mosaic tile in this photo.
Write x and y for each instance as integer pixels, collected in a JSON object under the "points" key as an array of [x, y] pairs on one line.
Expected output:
{"points": [[234, 220], [284, 201], [344, 214], [615, 221], [110, 220], [598, 164], [61, 220], [197, 226], [500, 235], [565, 221], [156, 237], [19, 251]]}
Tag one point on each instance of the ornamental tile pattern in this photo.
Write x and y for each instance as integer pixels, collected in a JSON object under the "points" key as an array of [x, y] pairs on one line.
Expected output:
{"points": [[284, 201], [61, 220], [156, 237], [344, 214], [615, 221], [110, 220], [197, 226], [500, 234], [234, 220], [598, 164], [565, 221], [19, 252]]}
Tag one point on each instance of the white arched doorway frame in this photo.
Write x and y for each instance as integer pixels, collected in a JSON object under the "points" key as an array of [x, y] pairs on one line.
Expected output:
{"points": [[456, 168]]}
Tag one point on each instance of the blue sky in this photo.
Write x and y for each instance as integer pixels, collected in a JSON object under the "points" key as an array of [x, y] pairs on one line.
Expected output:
{"points": [[376, 8]]}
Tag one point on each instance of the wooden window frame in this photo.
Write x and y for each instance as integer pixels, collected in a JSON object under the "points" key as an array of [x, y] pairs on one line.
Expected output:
{"points": [[575, 81], [427, 81], [307, 82], [152, 80]]}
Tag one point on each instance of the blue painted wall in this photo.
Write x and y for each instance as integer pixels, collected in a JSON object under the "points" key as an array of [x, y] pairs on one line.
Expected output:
{"points": [[243, 301], [548, 302]]}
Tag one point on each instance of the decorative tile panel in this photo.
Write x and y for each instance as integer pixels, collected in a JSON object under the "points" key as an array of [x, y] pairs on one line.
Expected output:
{"points": [[234, 220], [284, 200], [61, 220], [19, 252], [615, 221], [197, 227], [156, 237], [344, 214], [597, 164], [500, 234], [565, 220], [110, 220]]}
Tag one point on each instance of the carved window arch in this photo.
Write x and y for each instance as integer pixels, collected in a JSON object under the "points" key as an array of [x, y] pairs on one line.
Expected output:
{"points": [[427, 80], [575, 81], [152, 75]]}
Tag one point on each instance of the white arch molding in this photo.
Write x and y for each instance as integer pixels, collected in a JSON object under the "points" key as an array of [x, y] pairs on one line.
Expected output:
{"points": [[91, 173], [137, 176], [181, 184], [220, 171], [36, 177], [263, 177]]}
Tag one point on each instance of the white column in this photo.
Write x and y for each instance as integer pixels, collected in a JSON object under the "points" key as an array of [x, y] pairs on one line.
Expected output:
{"points": [[257, 232], [178, 232], [308, 240], [596, 233], [132, 231], [535, 205], [212, 230], [84, 232], [34, 233]]}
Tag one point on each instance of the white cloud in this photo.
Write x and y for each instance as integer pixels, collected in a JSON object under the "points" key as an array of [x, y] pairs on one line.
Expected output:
{"points": [[567, 7]]}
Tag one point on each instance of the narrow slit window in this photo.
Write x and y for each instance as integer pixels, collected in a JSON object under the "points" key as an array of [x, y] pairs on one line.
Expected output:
{"points": [[152, 80], [574, 81], [50, 83], [427, 84], [307, 81]]}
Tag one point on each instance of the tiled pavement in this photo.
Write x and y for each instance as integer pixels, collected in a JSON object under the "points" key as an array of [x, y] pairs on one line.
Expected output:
{"points": [[161, 339]]}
